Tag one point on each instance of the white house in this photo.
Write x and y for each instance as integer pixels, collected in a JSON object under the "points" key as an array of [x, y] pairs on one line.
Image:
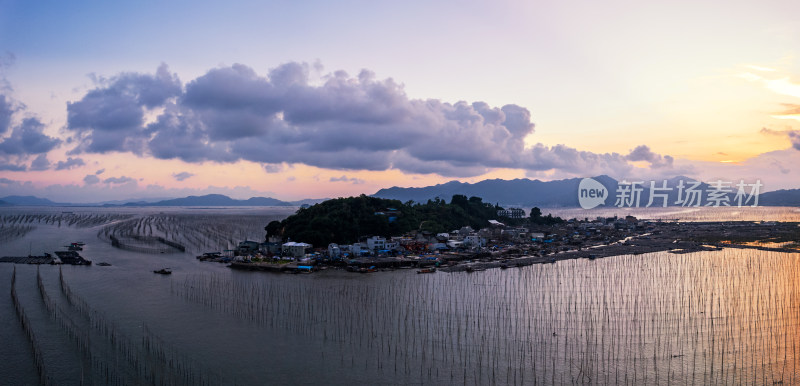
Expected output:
{"points": [[376, 243], [453, 244], [334, 250], [474, 241], [357, 249], [295, 249]]}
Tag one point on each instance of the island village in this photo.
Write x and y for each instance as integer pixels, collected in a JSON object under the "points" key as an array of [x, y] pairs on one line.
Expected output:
{"points": [[500, 245]]}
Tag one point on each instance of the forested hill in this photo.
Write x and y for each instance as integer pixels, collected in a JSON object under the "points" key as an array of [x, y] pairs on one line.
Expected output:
{"points": [[345, 220]]}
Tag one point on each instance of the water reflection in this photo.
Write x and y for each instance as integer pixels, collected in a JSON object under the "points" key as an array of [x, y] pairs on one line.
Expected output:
{"points": [[728, 316]]}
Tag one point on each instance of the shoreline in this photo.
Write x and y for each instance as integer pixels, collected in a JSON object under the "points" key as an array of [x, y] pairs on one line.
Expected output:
{"points": [[673, 237]]}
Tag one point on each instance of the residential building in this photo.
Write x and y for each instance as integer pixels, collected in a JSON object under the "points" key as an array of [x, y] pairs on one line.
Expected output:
{"points": [[295, 249], [511, 213]]}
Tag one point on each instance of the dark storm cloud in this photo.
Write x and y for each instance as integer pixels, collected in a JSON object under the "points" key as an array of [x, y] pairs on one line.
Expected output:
{"points": [[338, 122], [27, 138], [70, 163], [110, 117]]}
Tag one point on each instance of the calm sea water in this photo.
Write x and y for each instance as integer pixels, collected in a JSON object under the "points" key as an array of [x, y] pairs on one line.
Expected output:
{"points": [[728, 316]]}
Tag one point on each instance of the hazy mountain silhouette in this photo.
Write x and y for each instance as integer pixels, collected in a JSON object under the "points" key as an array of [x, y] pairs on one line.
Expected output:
{"points": [[783, 197], [28, 201], [518, 192], [564, 193], [215, 200]]}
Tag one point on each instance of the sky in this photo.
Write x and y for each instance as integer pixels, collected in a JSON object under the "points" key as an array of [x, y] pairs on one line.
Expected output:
{"points": [[105, 101]]}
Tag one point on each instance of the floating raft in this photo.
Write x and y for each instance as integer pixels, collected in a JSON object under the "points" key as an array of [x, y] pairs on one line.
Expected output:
{"points": [[46, 259], [72, 258]]}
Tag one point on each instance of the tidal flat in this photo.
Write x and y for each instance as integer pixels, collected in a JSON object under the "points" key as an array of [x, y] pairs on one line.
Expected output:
{"points": [[717, 316]]}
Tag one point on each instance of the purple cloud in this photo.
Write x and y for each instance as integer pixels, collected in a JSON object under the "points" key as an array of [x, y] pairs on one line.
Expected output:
{"points": [[6, 111], [12, 167], [40, 163], [794, 136], [182, 176], [347, 123], [70, 163], [91, 179], [119, 180], [352, 180], [643, 153], [110, 117], [28, 138]]}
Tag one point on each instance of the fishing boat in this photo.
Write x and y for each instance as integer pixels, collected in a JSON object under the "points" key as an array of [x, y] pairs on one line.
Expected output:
{"points": [[163, 271]]}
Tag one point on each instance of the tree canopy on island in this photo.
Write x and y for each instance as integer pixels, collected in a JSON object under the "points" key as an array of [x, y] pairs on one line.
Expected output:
{"points": [[345, 220]]}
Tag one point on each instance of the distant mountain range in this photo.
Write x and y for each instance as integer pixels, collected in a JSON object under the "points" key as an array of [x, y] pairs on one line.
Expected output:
{"points": [[518, 192], [29, 201], [207, 200], [564, 193], [214, 200]]}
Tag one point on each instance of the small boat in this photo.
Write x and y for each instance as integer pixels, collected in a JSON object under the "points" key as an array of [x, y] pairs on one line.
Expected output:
{"points": [[104, 264], [427, 270], [163, 271]]}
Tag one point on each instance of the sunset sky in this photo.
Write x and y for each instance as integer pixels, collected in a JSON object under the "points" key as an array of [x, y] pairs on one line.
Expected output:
{"points": [[111, 100]]}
